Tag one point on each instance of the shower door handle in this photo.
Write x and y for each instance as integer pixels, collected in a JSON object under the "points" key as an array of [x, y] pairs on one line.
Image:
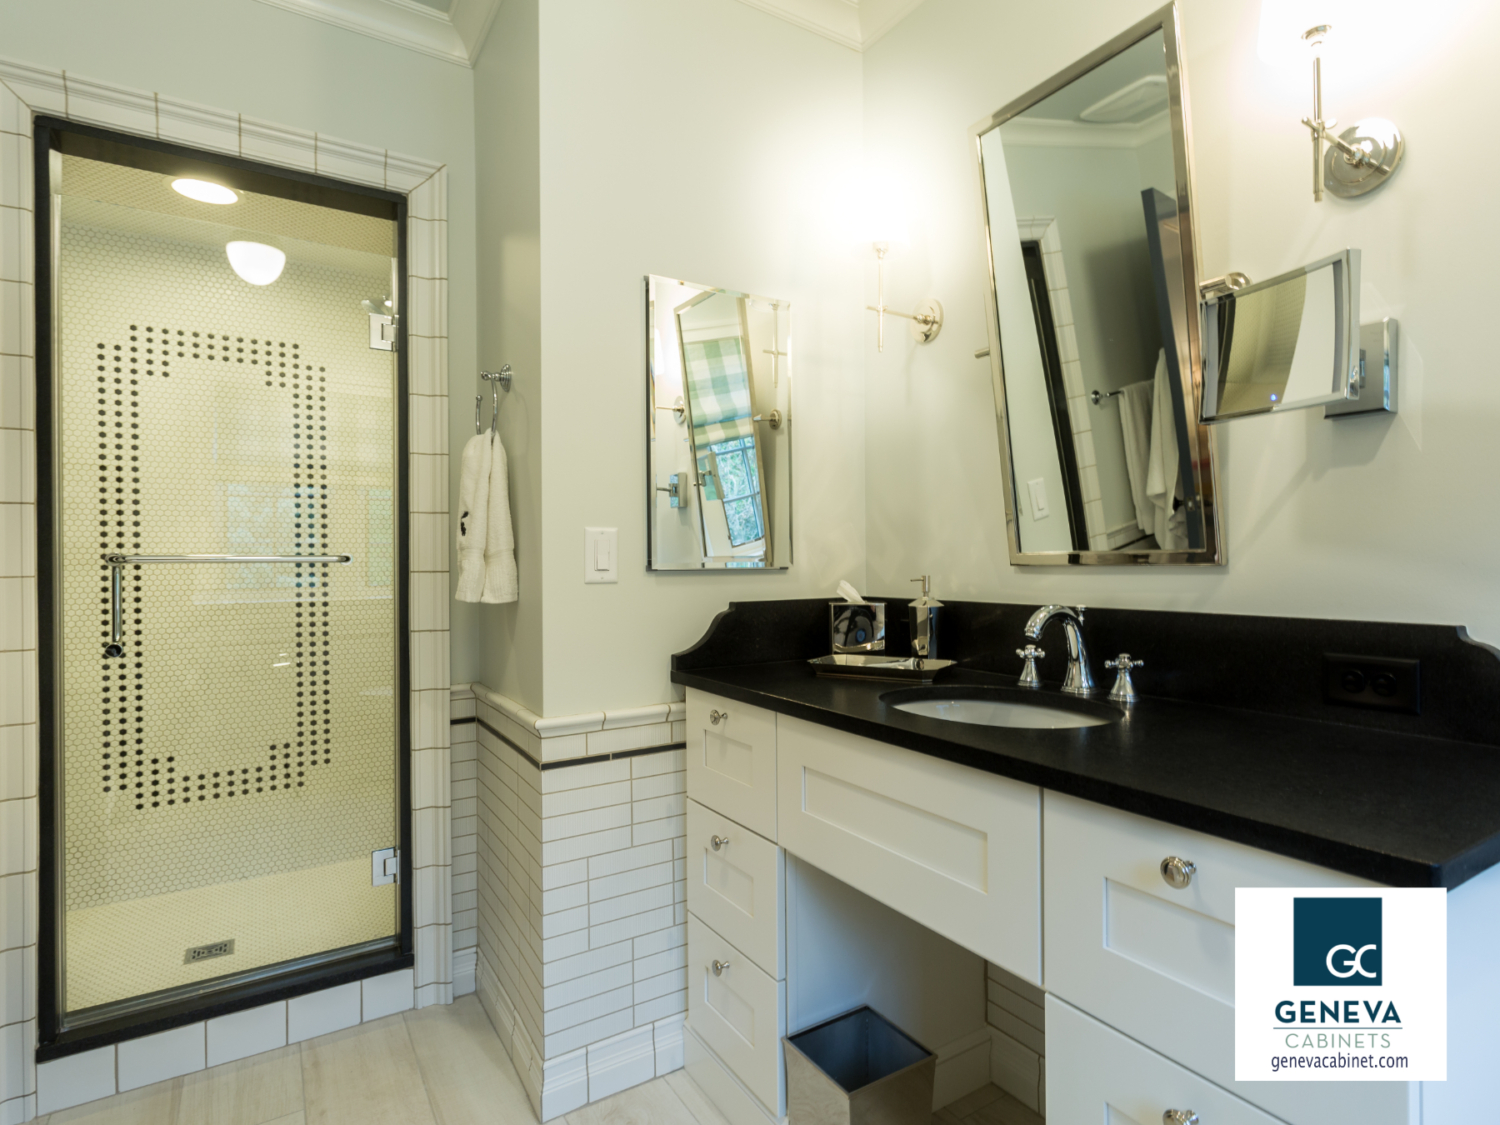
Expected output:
{"points": [[118, 563]]}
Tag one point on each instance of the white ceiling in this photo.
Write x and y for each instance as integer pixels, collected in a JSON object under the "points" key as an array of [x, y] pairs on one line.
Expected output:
{"points": [[455, 29]]}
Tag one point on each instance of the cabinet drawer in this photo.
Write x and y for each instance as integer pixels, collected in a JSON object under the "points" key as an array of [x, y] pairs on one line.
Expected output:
{"points": [[1095, 1074], [731, 760], [1158, 962], [740, 1013], [738, 887], [956, 849]]}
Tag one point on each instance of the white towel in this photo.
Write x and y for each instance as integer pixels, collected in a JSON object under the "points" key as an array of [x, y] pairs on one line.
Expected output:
{"points": [[473, 517], [1135, 424], [1163, 480], [500, 583]]}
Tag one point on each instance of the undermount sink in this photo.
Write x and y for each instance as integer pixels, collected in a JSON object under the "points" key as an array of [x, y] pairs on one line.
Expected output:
{"points": [[997, 708]]}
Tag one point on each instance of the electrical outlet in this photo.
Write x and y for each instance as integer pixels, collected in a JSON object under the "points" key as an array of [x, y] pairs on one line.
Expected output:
{"points": [[1381, 683]]}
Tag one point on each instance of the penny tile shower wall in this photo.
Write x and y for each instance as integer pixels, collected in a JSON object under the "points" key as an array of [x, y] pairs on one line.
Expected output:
{"points": [[248, 731]]}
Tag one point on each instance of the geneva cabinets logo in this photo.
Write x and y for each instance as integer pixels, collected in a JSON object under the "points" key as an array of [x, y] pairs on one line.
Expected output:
{"points": [[1297, 953]]}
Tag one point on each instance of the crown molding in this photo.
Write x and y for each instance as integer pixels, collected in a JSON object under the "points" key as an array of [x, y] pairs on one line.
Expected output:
{"points": [[402, 22], [457, 35], [855, 24]]}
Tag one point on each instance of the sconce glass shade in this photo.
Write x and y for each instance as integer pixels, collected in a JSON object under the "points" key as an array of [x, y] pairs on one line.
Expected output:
{"points": [[1284, 23], [256, 262]]}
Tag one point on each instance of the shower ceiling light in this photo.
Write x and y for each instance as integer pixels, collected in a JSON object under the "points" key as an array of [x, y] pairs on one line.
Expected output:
{"points": [[256, 262], [204, 191]]}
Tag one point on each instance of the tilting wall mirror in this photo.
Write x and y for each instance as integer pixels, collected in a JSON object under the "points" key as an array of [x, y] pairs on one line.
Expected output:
{"points": [[719, 450], [1094, 319]]}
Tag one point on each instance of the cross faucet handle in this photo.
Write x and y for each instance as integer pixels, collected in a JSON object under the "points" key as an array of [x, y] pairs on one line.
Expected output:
{"points": [[1029, 675], [1124, 689]]}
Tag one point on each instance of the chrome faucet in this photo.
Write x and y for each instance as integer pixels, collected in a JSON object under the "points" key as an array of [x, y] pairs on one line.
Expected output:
{"points": [[1080, 680]]}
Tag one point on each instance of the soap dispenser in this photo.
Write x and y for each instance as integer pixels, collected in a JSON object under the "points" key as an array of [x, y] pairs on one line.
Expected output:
{"points": [[923, 614]]}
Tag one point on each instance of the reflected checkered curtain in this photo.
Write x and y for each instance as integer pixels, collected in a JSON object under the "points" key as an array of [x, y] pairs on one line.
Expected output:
{"points": [[718, 390]]}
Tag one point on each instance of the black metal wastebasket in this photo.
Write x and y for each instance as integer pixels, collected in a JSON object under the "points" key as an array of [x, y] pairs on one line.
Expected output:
{"points": [[858, 1069]]}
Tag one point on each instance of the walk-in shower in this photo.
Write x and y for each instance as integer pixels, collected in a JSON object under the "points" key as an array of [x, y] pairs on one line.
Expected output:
{"points": [[223, 630]]}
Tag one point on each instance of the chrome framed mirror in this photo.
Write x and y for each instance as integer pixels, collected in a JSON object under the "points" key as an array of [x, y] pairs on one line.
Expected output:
{"points": [[718, 447], [1095, 333]]}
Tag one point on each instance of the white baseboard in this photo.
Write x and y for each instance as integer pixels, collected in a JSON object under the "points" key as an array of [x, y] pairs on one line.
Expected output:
{"points": [[1016, 1069], [465, 965], [620, 1062], [963, 1066]]}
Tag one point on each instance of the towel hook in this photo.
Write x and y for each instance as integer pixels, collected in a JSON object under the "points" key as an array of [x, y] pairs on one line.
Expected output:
{"points": [[497, 380]]}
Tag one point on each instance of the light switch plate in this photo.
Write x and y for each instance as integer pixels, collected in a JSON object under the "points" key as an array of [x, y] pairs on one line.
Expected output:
{"points": [[601, 554], [1038, 490]]}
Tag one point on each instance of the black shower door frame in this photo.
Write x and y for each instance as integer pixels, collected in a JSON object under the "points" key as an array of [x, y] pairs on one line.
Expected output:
{"points": [[55, 1037]]}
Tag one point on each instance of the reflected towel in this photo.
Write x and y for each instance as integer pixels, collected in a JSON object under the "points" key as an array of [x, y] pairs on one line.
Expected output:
{"points": [[500, 584], [473, 513], [1163, 481], [1135, 423]]}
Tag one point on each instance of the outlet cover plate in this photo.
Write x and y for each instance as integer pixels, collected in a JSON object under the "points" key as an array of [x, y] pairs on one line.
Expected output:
{"points": [[1379, 683]]}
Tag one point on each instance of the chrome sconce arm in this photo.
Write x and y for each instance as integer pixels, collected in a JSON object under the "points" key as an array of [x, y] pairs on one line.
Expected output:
{"points": [[926, 322]]}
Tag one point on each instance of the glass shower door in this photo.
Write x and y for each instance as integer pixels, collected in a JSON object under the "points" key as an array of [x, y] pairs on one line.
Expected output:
{"points": [[228, 724]]}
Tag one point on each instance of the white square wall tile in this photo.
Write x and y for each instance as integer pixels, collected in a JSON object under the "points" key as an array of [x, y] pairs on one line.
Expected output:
{"points": [[387, 994], [155, 1058], [242, 1034], [75, 1079], [622, 1062], [318, 1013]]}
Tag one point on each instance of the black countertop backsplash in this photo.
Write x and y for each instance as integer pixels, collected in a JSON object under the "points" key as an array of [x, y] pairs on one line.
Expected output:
{"points": [[1232, 736]]}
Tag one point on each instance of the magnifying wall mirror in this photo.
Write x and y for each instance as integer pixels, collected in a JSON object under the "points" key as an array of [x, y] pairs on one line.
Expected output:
{"points": [[1094, 323], [719, 453], [1284, 344]]}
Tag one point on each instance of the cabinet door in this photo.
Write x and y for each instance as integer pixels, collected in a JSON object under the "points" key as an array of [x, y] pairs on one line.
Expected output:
{"points": [[1157, 961], [731, 760], [736, 883], [954, 848], [739, 1011], [1096, 1076]]}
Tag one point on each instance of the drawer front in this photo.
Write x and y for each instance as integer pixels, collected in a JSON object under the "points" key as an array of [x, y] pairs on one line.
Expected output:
{"points": [[954, 848], [1096, 1076], [731, 760], [739, 1012], [1157, 962], [737, 887]]}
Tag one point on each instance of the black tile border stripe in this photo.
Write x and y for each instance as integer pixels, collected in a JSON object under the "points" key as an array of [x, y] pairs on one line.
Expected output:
{"points": [[576, 761]]}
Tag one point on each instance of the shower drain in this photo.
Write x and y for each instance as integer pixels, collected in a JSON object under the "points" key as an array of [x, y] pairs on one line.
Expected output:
{"points": [[204, 952]]}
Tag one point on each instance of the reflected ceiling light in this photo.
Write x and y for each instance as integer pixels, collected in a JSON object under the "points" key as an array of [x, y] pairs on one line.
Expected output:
{"points": [[256, 262], [204, 191]]}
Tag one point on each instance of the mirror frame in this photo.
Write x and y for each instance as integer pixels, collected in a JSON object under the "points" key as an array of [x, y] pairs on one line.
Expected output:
{"points": [[778, 555], [1187, 322]]}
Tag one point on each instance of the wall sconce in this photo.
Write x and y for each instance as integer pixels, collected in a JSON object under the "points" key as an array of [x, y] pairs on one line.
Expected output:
{"points": [[926, 322], [1362, 157]]}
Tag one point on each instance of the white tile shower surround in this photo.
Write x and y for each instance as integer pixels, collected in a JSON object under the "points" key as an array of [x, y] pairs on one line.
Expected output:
{"points": [[581, 894], [25, 91]]}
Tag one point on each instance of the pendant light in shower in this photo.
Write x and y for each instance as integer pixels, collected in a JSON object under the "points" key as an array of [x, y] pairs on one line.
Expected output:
{"points": [[256, 262]]}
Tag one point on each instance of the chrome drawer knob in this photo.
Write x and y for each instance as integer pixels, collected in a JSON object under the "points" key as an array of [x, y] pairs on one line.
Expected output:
{"points": [[719, 842], [715, 717], [1179, 1117], [1178, 873], [719, 967]]}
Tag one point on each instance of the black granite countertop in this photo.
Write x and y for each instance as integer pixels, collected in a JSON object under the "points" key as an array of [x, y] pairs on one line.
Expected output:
{"points": [[1397, 808]]}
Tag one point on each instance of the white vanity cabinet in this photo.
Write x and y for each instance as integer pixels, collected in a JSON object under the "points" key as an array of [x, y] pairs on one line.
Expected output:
{"points": [[955, 848], [736, 889], [1156, 960]]}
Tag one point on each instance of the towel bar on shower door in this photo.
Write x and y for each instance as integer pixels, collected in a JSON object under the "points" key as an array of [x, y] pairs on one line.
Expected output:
{"points": [[118, 563]]}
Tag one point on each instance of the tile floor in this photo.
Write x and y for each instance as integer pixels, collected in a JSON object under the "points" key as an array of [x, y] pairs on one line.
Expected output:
{"points": [[437, 1066]]}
